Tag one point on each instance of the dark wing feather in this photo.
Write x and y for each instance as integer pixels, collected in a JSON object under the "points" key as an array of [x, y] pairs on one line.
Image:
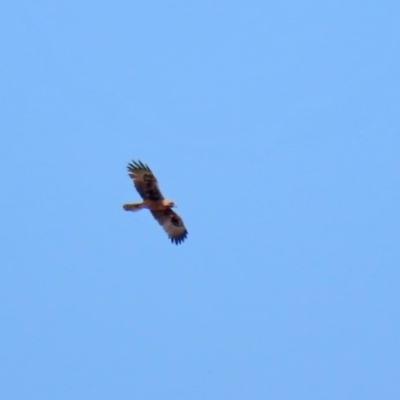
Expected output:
{"points": [[172, 224], [144, 180]]}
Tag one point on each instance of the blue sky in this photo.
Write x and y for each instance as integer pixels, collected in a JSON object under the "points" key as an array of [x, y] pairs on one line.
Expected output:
{"points": [[275, 128]]}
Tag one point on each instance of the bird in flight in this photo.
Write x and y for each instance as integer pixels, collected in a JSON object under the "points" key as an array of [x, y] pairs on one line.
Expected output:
{"points": [[146, 184]]}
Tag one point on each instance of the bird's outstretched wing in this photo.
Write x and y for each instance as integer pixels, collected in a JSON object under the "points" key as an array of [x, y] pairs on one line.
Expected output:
{"points": [[172, 224], [144, 180]]}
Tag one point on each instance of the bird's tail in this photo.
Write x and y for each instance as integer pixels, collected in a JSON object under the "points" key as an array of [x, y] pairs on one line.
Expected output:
{"points": [[133, 206]]}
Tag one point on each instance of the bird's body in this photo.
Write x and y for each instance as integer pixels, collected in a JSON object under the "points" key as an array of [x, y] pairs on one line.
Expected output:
{"points": [[161, 208], [149, 204]]}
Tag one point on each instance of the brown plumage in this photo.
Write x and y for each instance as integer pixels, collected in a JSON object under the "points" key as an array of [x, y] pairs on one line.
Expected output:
{"points": [[146, 184]]}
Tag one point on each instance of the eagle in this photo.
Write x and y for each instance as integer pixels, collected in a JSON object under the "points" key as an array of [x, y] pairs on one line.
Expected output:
{"points": [[146, 184]]}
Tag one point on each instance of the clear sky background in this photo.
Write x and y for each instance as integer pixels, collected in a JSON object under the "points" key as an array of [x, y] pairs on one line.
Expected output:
{"points": [[275, 126]]}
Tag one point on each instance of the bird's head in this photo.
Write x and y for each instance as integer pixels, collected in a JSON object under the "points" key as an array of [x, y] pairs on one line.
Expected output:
{"points": [[169, 203]]}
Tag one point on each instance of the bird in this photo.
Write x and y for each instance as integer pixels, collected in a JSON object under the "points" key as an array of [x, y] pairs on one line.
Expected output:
{"points": [[146, 184]]}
